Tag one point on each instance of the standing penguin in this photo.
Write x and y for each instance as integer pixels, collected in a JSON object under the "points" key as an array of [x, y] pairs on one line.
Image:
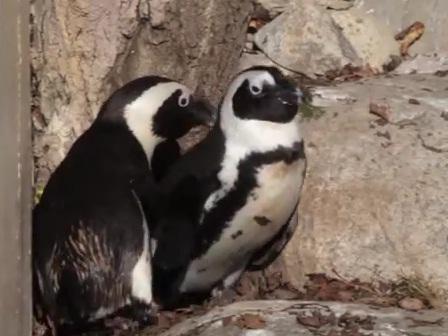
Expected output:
{"points": [[91, 253], [248, 174]]}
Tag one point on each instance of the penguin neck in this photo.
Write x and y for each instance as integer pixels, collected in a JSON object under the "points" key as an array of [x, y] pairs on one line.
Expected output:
{"points": [[140, 124], [249, 136], [245, 137], [148, 142]]}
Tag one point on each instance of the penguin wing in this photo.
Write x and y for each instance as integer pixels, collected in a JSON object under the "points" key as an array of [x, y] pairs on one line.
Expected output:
{"points": [[185, 187], [269, 252]]}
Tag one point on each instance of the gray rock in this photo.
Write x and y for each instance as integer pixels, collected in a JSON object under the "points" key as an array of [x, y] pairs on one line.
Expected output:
{"points": [[312, 40], [82, 50], [288, 318], [374, 203], [274, 7], [423, 64], [401, 14], [311, 47]]}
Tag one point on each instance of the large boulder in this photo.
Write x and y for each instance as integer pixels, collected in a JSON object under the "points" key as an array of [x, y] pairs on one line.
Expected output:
{"points": [[82, 50], [312, 39], [307, 318], [374, 203]]}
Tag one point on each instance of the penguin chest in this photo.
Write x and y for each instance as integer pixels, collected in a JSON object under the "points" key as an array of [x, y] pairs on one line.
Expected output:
{"points": [[268, 206]]}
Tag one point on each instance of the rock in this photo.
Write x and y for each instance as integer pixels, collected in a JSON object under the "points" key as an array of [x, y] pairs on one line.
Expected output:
{"points": [[274, 7], [311, 47], [326, 40], [336, 4], [374, 201], [398, 15], [306, 318], [371, 40], [83, 50], [423, 64]]}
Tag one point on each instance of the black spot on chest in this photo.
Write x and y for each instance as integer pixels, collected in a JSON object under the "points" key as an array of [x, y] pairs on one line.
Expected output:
{"points": [[262, 220], [222, 213], [237, 234]]}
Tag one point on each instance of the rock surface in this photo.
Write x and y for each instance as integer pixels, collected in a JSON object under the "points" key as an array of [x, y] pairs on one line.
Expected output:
{"points": [[326, 39], [82, 50], [401, 14], [374, 201], [288, 318]]}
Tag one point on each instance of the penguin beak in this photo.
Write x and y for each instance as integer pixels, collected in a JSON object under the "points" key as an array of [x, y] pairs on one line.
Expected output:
{"points": [[290, 96], [204, 112]]}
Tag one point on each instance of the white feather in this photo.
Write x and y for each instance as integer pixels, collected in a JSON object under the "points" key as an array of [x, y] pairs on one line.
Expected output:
{"points": [[140, 113]]}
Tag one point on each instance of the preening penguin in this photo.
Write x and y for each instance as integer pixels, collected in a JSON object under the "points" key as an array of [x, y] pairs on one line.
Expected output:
{"points": [[249, 173], [91, 252]]}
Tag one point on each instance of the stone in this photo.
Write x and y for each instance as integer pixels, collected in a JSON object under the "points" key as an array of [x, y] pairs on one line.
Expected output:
{"points": [[371, 39], [83, 50], [399, 15], [307, 318], [312, 47], [374, 201], [274, 7], [326, 39], [423, 64]]}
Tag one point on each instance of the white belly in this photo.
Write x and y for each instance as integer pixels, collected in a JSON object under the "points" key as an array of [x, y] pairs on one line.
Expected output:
{"points": [[265, 212]]}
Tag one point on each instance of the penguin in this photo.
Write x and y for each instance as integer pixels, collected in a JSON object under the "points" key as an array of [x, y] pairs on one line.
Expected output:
{"points": [[91, 236], [245, 182]]}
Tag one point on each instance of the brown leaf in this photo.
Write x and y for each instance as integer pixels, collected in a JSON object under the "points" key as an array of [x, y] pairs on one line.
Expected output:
{"points": [[333, 332], [409, 36], [316, 319], [410, 303], [345, 295], [380, 109], [423, 323], [413, 101], [250, 321]]}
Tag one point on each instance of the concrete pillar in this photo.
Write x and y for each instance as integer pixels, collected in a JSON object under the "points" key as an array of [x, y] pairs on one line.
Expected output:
{"points": [[15, 170]]}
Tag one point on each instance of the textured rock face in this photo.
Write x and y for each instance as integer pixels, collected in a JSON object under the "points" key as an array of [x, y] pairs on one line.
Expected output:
{"points": [[305, 39], [313, 38], [287, 318], [83, 50], [374, 201], [401, 14]]}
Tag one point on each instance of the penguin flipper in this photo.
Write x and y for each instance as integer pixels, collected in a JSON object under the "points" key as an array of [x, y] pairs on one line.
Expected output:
{"points": [[164, 156], [176, 230], [270, 251]]}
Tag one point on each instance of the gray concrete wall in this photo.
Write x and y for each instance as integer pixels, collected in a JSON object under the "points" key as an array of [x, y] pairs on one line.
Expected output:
{"points": [[15, 170]]}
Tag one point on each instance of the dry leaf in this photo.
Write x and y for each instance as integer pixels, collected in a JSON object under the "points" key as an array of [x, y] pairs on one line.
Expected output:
{"points": [[409, 303], [409, 36], [382, 110], [250, 321]]}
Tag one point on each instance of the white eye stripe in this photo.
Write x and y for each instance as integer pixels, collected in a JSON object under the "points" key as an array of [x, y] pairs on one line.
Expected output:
{"points": [[184, 99], [255, 89]]}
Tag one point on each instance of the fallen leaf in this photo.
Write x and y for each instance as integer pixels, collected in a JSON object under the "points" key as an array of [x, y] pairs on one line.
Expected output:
{"points": [[250, 321], [409, 36], [410, 303], [380, 109], [423, 323], [441, 73], [316, 319]]}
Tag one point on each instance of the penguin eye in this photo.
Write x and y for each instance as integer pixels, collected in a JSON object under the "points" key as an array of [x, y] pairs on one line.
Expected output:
{"points": [[255, 90], [183, 101]]}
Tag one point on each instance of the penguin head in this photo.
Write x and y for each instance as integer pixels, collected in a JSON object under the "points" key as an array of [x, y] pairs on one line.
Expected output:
{"points": [[260, 110], [154, 109], [263, 93]]}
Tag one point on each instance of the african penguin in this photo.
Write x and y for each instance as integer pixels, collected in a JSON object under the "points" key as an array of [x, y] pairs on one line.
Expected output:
{"points": [[247, 178], [91, 243]]}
